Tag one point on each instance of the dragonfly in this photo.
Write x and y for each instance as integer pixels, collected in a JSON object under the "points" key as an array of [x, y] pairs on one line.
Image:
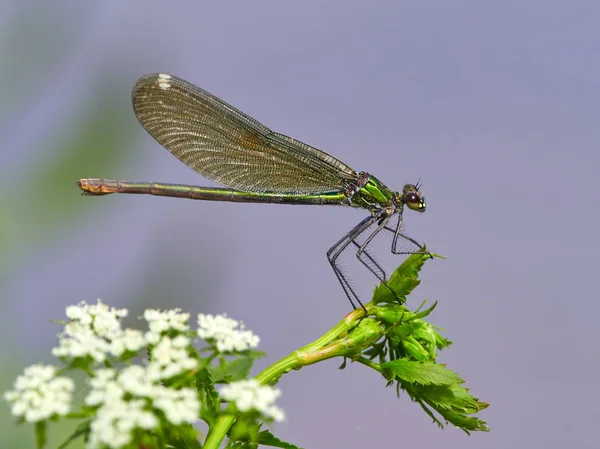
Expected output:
{"points": [[257, 165]]}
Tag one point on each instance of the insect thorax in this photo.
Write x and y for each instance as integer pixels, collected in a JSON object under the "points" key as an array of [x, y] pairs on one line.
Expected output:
{"points": [[368, 192]]}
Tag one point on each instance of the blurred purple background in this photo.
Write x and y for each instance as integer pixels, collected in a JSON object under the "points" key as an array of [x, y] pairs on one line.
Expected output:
{"points": [[495, 106]]}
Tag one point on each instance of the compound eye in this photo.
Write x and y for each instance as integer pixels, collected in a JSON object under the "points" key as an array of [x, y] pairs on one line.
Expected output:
{"points": [[414, 201], [412, 197]]}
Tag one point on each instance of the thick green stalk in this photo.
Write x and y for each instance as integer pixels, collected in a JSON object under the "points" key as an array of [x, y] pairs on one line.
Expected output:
{"points": [[347, 339]]}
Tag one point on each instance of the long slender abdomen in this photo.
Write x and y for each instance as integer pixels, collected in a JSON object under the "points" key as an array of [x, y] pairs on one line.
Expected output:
{"points": [[100, 187]]}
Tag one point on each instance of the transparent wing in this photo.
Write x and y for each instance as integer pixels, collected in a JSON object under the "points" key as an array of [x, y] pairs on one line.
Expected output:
{"points": [[229, 147]]}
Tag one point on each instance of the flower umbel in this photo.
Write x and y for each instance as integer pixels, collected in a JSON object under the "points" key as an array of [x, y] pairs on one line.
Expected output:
{"points": [[115, 422], [160, 321], [251, 395], [95, 331], [171, 357], [39, 394], [228, 334], [128, 400]]}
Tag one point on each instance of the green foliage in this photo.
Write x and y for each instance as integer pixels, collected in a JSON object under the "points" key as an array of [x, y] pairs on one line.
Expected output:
{"points": [[423, 373], [81, 431], [407, 354], [239, 368], [264, 438], [209, 398], [40, 434], [403, 280], [392, 339]]}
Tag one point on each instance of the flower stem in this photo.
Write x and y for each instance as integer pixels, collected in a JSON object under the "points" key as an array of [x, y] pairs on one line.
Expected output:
{"points": [[335, 343]]}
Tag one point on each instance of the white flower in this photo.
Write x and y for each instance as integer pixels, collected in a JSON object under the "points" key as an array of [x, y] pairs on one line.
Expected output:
{"points": [[115, 421], [127, 401], [86, 314], [108, 385], [135, 380], [129, 340], [79, 340], [170, 357], [179, 406], [224, 331], [249, 394], [95, 331], [160, 321], [104, 388], [38, 394]]}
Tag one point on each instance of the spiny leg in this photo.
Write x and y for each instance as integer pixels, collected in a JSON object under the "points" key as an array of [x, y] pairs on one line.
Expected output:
{"points": [[397, 233], [363, 252], [373, 266], [334, 252], [381, 276], [370, 263], [363, 246]]}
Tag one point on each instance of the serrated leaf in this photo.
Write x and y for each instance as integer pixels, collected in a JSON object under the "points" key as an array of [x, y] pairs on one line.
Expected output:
{"points": [[240, 368], [466, 423], [424, 313], [208, 396], [268, 439], [402, 281], [448, 397], [430, 413], [423, 373], [81, 430], [233, 370], [245, 430], [453, 403], [183, 436]]}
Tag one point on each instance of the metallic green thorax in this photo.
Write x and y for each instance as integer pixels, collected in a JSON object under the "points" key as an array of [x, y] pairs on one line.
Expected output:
{"points": [[373, 194]]}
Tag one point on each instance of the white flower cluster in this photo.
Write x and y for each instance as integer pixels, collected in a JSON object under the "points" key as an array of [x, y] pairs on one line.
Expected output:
{"points": [[135, 398], [228, 334], [95, 331], [128, 400], [251, 395], [170, 357], [39, 394], [160, 321]]}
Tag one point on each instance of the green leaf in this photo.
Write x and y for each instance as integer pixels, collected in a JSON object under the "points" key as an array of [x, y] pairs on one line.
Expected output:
{"points": [[415, 349], [424, 313], [264, 438], [40, 434], [182, 436], [208, 397], [466, 423], [246, 429], [268, 439], [81, 430], [452, 402], [233, 370], [403, 280], [420, 373], [448, 397]]}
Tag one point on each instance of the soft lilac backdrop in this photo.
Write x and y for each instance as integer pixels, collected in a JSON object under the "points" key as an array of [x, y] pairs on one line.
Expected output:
{"points": [[495, 106]]}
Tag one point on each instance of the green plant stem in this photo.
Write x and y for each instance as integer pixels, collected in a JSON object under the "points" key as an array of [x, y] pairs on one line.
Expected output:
{"points": [[370, 363], [335, 343]]}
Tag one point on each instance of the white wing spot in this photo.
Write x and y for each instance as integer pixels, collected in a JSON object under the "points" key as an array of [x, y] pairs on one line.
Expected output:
{"points": [[164, 76], [164, 86]]}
